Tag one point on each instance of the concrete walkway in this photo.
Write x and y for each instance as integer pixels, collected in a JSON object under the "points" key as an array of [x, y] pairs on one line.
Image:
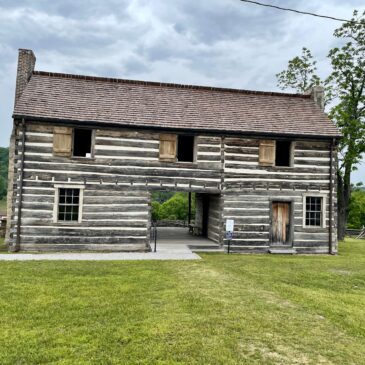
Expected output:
{"points": [[172, 244], [95, 256], [178, 237]]}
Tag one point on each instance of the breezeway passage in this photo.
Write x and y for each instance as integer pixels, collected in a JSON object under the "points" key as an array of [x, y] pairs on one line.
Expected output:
{"points": [[178, 238]]}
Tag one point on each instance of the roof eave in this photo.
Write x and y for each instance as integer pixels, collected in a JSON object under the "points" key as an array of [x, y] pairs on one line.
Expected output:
{"points": [[159, 128]]}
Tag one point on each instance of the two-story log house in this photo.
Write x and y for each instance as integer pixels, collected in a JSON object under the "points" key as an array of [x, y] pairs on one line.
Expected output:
{"points": [[86, 153]]}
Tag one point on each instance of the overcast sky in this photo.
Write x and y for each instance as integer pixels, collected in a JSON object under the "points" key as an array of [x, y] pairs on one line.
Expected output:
{"points": [[209, 42]]}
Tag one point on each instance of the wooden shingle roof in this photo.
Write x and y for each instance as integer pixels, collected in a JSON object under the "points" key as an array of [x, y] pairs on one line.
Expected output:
{"points": [[86, 99]]}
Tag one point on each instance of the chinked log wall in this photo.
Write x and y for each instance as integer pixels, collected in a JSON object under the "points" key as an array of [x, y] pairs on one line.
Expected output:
{"points": [[117, 186], [250, 188], [126, 167], [215, 223]]}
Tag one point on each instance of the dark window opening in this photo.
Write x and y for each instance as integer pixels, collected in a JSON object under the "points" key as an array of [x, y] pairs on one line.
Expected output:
{"points": [[313, 211], [82, 142], [68, 205], [283, 153], [185, 148]]}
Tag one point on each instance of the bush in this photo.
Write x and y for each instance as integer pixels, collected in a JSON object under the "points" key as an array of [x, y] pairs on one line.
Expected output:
{"points": [[155, 210], [175, 208], [357, 209]]}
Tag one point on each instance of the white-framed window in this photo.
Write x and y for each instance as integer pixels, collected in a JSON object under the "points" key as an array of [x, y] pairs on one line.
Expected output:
{"points": [[314, 210], [68, 203]]}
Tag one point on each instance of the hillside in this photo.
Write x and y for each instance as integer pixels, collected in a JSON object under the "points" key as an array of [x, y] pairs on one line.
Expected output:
{"points": [[4, 157]]}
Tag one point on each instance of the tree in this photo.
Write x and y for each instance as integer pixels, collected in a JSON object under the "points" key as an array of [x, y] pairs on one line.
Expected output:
{"points": [[175, 208], [345, 88], [162, 196], [300, 74], [4, 156], [155, 210], [348, 82], [357, 209]]}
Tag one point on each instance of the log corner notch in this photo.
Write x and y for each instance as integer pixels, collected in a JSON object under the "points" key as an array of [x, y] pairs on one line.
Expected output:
{"points": [[331, 188], [15, 246], [14, 138]]}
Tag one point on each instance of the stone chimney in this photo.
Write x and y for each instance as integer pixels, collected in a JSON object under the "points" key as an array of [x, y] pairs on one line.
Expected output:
{"points": [[26, 63], [317, 94]]}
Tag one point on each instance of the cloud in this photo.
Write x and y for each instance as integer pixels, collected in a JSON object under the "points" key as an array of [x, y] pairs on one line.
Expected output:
{"points": [[210, 42]]}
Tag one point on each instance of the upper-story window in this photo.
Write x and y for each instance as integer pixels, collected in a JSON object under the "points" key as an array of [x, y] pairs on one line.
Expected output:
{"points": [[82, 142], [185, 148], [283, 153], [175, 148], [75, 142], [275, 153]]}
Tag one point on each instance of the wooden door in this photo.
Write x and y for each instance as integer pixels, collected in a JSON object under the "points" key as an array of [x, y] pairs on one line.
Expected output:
{"points": [[280, 223]]}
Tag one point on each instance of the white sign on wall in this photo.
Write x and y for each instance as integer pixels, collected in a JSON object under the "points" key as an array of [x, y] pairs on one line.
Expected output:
{"points": [[229, 225]]}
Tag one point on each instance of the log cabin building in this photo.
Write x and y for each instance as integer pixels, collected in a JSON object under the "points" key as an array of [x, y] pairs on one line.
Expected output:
{"points": [[87, 152]]}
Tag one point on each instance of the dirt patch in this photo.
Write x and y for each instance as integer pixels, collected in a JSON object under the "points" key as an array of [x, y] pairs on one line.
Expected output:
{"points": [[281, 355], [341, 272]]}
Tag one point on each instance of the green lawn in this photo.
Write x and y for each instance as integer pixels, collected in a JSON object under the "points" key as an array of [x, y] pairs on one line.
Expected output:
{"points": [[224, 309]]}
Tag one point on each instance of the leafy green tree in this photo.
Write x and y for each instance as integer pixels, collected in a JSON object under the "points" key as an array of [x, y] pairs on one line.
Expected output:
{"points": [[348, 85], [357, 209], [162, 196], [3, 186], [4, 156], [175, 208], [300, 74], [345, 87], [155, 210]]}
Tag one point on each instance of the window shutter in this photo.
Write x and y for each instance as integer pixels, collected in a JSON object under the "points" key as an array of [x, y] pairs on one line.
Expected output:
{"points": [[168, 144], [62, 141], [267, 153]]}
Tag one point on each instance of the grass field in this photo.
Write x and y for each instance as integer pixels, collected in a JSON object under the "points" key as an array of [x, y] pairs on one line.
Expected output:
{"points": [[224, 309]]}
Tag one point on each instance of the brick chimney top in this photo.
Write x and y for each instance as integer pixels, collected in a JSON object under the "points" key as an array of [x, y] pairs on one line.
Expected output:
{"points": [[316, 92], [26, 63]]}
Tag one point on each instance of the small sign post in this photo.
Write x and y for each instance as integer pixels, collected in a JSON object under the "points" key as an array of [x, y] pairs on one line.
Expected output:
{"points": [[229, 232]]}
